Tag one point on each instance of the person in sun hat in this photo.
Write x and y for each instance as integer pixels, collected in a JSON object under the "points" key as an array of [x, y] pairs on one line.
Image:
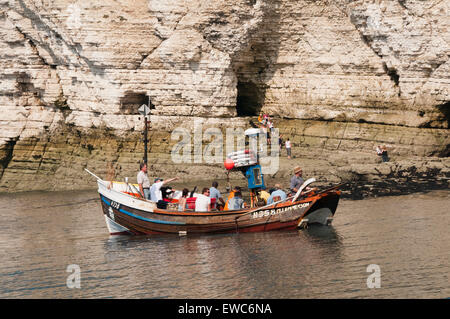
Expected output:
{"points": [[296, 180]]}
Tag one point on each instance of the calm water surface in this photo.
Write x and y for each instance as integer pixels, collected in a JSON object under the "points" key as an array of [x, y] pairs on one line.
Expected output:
{"points": [[408, 237]]}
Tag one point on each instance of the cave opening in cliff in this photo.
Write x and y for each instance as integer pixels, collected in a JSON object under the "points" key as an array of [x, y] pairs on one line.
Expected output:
{"points": [[132, 101], [445, 110], [249, 101]]}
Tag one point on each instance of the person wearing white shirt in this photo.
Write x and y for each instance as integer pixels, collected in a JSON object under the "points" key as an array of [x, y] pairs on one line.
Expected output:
{"points": [[155, 190], [203, 201], [287, 144]]}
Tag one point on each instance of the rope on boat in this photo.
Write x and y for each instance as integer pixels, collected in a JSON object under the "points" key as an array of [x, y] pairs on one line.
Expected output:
{"points": [[137, 191], [92, 174]]}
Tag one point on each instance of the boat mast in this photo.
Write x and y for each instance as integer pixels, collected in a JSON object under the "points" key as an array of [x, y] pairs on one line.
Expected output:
{"points": [[145, 139], [145, 110]]}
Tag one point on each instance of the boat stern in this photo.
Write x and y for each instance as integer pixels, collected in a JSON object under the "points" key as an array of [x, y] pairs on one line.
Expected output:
{"points": [[322, 211]]}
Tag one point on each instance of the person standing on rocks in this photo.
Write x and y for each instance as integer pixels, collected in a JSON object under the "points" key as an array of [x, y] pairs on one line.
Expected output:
{"points": [[265, 119], [260, 118], [384, 154], [287, 144], [280, 141], [378, 150], [143, 181]]}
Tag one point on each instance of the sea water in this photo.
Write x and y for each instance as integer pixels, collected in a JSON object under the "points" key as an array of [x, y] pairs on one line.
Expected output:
{"points": [[56, 245]]}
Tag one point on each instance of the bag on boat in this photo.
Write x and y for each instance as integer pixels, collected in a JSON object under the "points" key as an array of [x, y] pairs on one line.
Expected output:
{"points": [[162, 204]]}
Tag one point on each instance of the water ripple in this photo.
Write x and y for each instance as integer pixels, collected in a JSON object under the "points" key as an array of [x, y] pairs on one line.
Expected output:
{"points": [[407, 236]]}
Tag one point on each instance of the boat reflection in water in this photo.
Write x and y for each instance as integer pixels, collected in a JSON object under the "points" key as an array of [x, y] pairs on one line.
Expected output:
{"points": [[228, 265]]}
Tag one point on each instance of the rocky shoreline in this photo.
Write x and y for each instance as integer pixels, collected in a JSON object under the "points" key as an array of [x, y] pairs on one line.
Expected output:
{"points": [[398, 179], [361, 181], [56, 161]]}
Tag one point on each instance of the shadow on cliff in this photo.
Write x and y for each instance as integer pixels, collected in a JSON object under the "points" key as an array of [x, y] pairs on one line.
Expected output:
{"points": [[6, 154], [445, 110], [253, 66]]}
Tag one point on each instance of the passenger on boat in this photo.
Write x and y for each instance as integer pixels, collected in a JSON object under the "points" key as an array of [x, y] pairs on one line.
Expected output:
{"points": [[155, 190], [236, 202], [296, 180], [277, 194], [215, 193], [143, 181], [264, 195], [203, 201], [231, 195], [167, 193], [183, 199]]}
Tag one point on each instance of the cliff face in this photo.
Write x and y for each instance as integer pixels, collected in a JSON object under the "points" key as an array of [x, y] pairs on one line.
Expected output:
{"points": [[72, 71]]}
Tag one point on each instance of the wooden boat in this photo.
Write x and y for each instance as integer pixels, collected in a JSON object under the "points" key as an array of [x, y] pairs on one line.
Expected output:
{"points": [[126, 213]]}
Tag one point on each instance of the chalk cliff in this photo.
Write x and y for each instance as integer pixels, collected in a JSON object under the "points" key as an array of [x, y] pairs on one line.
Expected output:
{"points": [[339, 77]]}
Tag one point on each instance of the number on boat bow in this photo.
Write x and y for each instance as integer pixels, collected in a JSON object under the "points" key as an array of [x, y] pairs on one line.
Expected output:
{"points": [[115, 205]]}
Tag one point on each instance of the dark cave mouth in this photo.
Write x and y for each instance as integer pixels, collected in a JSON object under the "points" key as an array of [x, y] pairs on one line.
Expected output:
{"points": [[132, 101], [249, 99], [445, 110]]}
